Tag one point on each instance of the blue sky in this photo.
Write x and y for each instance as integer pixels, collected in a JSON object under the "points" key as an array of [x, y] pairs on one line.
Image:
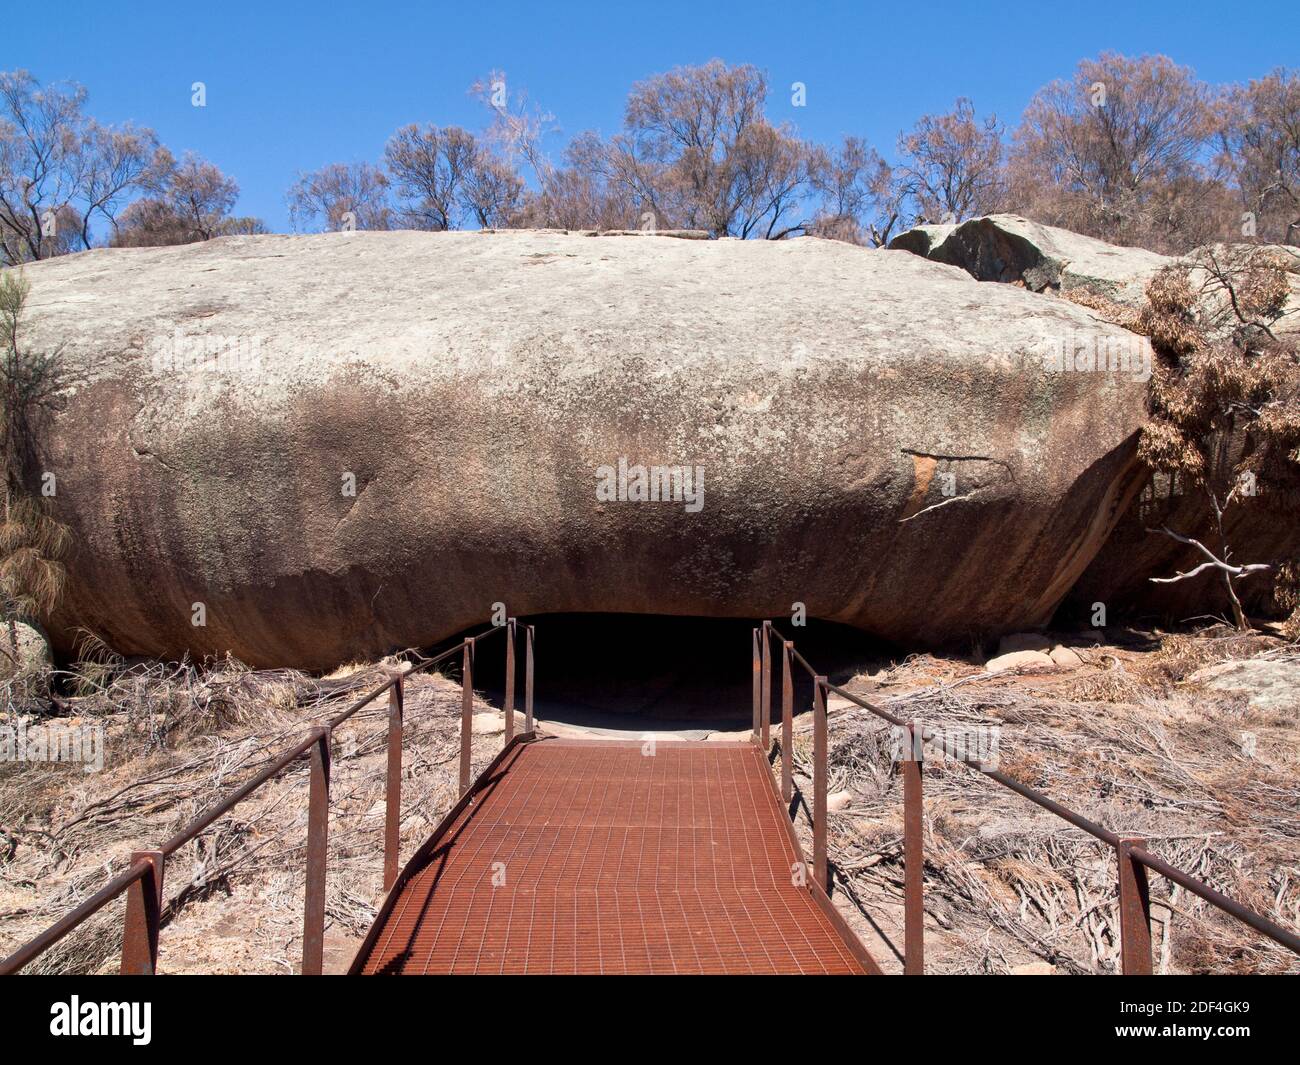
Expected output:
{"points": [[293, 86]]}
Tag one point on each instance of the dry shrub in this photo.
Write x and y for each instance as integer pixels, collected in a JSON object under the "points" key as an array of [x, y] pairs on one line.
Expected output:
{"points": [[1114, 685], [1286, 597], [1169, 315], [1024, 766], [1225, 394], [31, 544], [1222, 367], [1120, 314], [1181, 655], [1164, 446], [180, 738], [1007, 881], [167, 702]]}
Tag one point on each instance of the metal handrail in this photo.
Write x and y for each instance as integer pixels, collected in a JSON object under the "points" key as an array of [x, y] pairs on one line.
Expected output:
{"points": [[937, 740], [143, 879], [74, 917], [1133, 858], [1230, 906]]}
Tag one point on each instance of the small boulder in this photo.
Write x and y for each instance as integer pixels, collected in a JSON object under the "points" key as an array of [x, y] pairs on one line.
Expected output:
{"points": [[24, 654], [1034, 968], [1023, 641], [1012, 249], [487, 724], [1020, 660], [924, 240], [839, 800], [1063, 656]]}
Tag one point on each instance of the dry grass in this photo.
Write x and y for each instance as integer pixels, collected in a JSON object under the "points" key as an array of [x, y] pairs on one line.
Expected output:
{"points": [[1126, 741], [180, 738]]}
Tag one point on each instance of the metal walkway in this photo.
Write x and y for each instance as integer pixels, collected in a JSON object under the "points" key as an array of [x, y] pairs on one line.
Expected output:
{"points": [[602, 857], [613, 857]]}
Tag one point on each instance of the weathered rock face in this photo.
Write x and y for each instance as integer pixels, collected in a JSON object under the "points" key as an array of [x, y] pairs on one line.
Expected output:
{"points": [[877, 435], [1262, 529], [1010, 249], [1269, 686], [1215, 303], [1014, 250], [24, 655]]}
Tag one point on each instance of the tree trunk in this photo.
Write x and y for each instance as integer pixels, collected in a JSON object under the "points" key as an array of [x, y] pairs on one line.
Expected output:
{"points": [[1238, 615]]}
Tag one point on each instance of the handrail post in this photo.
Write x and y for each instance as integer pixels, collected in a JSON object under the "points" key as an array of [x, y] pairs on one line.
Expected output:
{"points": [[1134, 910], [466, 712], [528, 678], [787, 723], [765, 709], [318, 810], [510, 682], [393, 788], [758, 679], [143, 917], [913, 857], [820, 867]]}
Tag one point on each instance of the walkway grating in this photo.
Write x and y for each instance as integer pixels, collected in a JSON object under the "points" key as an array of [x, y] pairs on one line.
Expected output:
{"points": [[598, 857]]}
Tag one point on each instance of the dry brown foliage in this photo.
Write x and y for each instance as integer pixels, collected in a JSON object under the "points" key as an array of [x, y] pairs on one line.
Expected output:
{"points": [[1114, 152], [180, 738], [1007, 883], [1225, 395]]}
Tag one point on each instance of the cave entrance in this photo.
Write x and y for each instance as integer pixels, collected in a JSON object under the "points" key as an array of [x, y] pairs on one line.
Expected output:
{"points": [[637, 673]]}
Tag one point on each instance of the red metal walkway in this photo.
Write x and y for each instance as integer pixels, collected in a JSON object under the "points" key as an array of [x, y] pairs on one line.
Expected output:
{"points": [[599, 857]]}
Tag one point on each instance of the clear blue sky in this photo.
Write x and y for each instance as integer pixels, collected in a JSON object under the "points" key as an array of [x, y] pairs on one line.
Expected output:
{"points": [[292, 86]]}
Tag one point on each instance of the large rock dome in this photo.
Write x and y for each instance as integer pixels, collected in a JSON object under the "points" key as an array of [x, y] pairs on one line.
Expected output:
{"points": [[877, 436]]}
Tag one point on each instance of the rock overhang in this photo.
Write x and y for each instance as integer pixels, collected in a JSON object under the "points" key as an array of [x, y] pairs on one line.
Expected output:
{"points": [[474, 383]]}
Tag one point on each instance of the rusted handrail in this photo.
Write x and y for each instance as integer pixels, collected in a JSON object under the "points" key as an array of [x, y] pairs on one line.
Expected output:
{"points": [[143, 879], [1230, 906], [1132, 856], [74, 917]]}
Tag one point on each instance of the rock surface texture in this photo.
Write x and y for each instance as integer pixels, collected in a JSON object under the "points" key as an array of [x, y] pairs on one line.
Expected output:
{"points": [[1046, 259], [1014, 250], [1008, 248], [877, 437], [24, 654], [1270, 686]]}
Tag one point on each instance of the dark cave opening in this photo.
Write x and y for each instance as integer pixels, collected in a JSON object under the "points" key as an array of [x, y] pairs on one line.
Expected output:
{"points": [[657, 673]]}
